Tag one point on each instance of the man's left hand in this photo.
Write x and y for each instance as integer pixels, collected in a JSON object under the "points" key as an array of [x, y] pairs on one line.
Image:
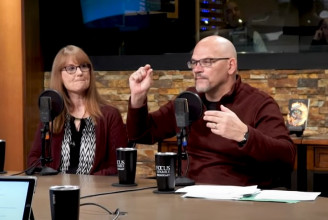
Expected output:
{"points": [[226, 124]]}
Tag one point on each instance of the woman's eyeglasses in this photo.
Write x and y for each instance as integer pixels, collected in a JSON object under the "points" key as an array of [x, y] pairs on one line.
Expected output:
{"points": [[85, 67]]}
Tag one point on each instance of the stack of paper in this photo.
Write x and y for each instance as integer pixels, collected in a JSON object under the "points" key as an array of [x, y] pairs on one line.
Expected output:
{"points": [[217, 191], [245, 193]]}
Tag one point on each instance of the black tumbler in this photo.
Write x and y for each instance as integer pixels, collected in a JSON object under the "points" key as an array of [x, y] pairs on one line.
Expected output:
{"points": [[165, 170], [126, 165], [64, 202], [2, 155]]}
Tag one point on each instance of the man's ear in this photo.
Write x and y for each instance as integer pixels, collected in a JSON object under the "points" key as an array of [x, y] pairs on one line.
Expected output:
{"points": [[232, 66]]}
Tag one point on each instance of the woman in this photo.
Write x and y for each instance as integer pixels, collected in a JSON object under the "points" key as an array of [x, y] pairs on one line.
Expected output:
{"points": [[88, 131]]}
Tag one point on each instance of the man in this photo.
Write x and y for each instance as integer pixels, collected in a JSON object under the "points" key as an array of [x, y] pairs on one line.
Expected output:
{"points": [[232, 15], [320, 38], [236, 30], [240, 140]]}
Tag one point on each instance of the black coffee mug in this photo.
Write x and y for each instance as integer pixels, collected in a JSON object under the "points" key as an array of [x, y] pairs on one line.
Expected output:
{"points": [[2, 155], [64, 202], [165, 170], [126, 165]]}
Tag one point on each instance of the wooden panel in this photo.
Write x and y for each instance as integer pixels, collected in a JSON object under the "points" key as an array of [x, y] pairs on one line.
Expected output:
{"points": [[11, 83], [34, 74], [297, 140], [21, 78], [315, 140], [309, 158], [321, 157]]}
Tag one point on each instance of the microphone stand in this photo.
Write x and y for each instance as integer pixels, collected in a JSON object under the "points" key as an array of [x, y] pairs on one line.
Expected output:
{"points": [[182, 180], [45, 140]]}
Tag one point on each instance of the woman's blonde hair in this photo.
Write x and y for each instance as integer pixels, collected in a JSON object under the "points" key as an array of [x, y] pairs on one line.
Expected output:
{"points": [[93, 100]]}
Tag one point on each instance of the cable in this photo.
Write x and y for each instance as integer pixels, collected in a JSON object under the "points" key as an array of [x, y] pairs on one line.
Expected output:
{"points": [[188, 160], [37, 162], [95, 204], [120, 191], [186, 152], [117, 212]]}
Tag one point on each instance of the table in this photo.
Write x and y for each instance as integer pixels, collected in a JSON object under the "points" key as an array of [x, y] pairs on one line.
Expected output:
{"points": [[145, 204], [311, 160]]}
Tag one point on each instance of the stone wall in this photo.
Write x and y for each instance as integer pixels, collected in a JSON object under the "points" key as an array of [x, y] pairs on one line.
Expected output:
{"points": [[282, 85]]}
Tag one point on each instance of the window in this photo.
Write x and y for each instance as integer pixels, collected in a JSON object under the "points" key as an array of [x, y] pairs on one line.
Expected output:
{"points": [[143, 31]]}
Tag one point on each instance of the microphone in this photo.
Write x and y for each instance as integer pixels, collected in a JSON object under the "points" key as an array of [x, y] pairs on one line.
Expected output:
{"points": [[51, 104], [188, 108], [181, 112], [45, 109]]}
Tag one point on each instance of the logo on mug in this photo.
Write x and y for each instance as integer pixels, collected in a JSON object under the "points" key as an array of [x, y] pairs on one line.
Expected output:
{"points": [[120, 164], [163, 171]]}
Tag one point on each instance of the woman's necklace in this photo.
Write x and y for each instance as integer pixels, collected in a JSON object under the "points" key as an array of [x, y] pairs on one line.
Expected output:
{"points": [[77, 121]]}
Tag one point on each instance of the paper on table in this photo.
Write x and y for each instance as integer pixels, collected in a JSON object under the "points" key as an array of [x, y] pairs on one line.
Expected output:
{"points": [[249, 193], [217, 191], [287, 195]]}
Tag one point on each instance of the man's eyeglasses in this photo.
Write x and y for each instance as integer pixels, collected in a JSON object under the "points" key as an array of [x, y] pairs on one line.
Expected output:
{"points": [[85, 67], [206, 62]]}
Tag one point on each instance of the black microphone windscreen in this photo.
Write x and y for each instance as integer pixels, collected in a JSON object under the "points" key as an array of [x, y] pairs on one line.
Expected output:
{"points": [[56, 104], [45, 109], [181, 112], [195, 105]]}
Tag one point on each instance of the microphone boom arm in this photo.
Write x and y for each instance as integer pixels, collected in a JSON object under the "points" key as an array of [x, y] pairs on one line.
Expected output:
{"points": [[44, 134], [182, 143], [46, 157]]}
